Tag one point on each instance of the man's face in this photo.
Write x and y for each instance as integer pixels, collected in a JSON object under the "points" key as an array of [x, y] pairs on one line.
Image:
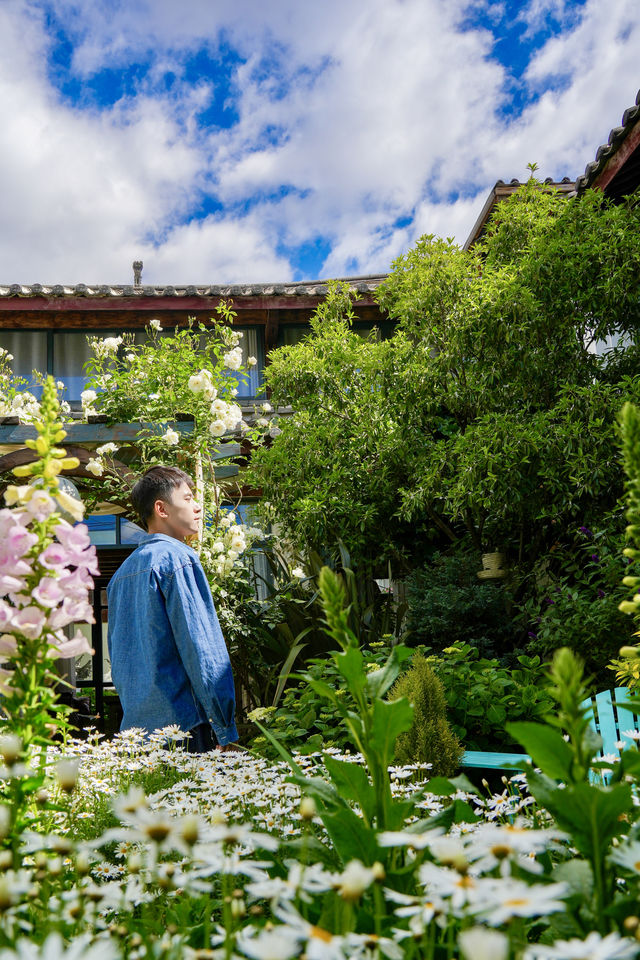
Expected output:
{"points": [[179, 516]]}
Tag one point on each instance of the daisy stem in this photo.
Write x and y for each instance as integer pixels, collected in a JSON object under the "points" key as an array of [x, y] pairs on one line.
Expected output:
{"points": [[227, 915]]}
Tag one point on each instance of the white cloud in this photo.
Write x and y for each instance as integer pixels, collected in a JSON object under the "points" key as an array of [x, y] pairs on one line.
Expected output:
{"points": [[360, 123]]}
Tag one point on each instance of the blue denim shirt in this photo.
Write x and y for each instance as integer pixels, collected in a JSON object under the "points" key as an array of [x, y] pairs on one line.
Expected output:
{"points": [[169, 662]]}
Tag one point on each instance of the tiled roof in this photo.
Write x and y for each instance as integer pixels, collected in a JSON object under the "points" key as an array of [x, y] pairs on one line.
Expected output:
{"points": [[315, 288], [604, 152]]}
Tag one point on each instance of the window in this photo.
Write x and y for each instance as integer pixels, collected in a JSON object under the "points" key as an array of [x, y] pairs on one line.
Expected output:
{"points": [[109, 530], [70, 353], [29, 350], [64, 354], [290, 334]]}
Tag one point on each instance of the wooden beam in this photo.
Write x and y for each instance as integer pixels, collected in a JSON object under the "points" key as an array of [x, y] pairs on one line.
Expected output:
{"points": [[37, 315], [156, 305], [18, 458], [93, 432], [271, 331], [225, 471]]}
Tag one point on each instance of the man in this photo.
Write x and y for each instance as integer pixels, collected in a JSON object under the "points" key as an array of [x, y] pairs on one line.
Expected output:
{"points": [[169, 662]]}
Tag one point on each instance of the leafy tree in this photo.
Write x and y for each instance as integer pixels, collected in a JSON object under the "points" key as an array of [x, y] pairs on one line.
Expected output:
{"points": [[487, 415], [332, 473]]}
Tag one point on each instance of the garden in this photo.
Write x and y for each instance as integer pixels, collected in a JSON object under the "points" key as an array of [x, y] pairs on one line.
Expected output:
{"points": [[444, 558]]}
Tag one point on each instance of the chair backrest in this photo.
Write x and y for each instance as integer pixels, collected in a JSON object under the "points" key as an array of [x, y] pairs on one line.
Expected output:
{"points": [[610, 720]]}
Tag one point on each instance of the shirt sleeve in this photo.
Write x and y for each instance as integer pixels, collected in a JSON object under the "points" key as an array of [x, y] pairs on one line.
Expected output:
{"points": [[201, 647]]}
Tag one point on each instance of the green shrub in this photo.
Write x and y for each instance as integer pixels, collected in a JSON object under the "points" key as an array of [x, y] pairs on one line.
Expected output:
{"points": [[448, 604], [573, 595], [306, 722], [482, 694], [430, 739]]}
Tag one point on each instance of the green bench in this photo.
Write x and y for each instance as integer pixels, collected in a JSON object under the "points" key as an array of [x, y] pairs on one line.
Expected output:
{"points": [[491, 761], [608, 719]]}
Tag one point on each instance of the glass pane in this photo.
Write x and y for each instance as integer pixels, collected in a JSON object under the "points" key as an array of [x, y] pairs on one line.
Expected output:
{"points": [[289, 336], [29, 351], [84, 663], [70, 353], [102, 529]]}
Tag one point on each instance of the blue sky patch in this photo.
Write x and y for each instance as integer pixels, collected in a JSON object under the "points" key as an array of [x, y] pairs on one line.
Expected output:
{"points": [[285, 119]]}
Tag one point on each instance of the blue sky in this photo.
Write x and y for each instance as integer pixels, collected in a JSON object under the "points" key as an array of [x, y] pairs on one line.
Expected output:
{"points": [[225, 141]]}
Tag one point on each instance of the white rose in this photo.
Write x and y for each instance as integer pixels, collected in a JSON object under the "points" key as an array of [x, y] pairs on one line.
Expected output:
{"points": [[217, 428], [232, 555], [96, 467], [219, 408], [218, 547], [196, 383], [266, 408], [155, 325], [109, 345], [234, 414], [251, 361], [233, 359], [171, 437], [299, 573], [60, 384], [131, 357], [87, 397], [106, 449]]}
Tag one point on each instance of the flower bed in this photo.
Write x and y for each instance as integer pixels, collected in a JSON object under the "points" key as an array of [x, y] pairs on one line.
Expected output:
{"points": [[134, 849]]}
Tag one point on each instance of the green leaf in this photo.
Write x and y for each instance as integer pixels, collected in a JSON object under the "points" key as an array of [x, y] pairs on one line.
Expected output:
{"points": [[446, 787], [352, 782], [578, 874], [287, 665], [284, 753], [325, 793], [379, 681], [547, 749], [458, 812], [350, 664], [351, 837], [389, 721], [329, 693], [592, 815]]}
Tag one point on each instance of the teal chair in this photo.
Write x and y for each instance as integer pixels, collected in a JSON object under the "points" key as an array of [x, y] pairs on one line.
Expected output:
{"points": [[609, 720]]}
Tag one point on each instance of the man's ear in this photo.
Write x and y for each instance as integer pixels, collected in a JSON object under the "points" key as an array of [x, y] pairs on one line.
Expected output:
{"points": [[160, 509]]}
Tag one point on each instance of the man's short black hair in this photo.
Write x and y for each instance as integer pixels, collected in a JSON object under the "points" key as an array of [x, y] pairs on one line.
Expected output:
{"points": [[158, 483]]}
